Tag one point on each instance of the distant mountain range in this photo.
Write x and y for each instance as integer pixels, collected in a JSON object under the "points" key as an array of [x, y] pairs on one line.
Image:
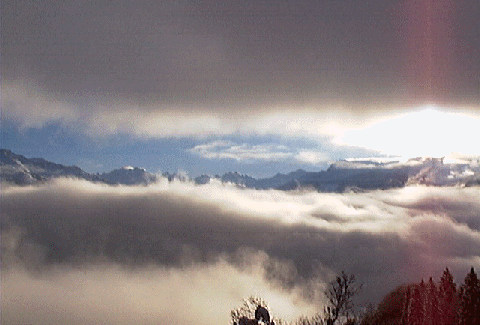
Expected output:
{"points": [[372, 174], [342, 176], [247, 181], [22, 171]]}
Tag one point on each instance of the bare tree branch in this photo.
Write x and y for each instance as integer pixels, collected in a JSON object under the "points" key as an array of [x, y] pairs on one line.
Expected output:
{"points": [[340, 295]]}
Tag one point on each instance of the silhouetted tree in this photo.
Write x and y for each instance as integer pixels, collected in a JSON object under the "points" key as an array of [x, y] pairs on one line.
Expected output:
{"points": [[369, 316], [431, 303], [253, 310], [416, 311], [470, 300], [447, 300], [406, 307], [340, 295], [315, 320]]}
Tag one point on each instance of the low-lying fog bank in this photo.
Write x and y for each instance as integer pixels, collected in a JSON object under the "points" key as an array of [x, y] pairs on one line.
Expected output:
{"points": [[76, 252]]}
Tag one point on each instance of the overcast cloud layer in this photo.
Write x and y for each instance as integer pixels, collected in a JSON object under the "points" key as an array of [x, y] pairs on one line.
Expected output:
{"points": [[169, 68], [184, 253]]}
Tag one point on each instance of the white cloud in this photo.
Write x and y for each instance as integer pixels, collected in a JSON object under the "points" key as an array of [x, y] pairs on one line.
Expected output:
{"points": [[264, 152], [178, 217], [242, 152], [151, 253], [312, 157], [414, 133], [33, 107]]}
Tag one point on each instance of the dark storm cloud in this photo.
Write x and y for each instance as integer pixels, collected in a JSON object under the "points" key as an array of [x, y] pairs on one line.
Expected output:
{"points": [[241, 55]]}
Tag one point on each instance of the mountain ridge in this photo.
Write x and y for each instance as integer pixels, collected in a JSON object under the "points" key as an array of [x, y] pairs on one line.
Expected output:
{"points": [[342, 176]]}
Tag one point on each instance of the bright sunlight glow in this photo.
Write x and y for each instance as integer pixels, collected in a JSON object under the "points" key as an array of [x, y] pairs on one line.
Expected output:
{"points": [[423, 133]]}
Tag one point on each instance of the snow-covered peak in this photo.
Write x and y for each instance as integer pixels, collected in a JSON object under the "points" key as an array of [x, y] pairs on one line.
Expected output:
{"points": [[21, 170], [129, 176], [369, 162], [133, 168]]}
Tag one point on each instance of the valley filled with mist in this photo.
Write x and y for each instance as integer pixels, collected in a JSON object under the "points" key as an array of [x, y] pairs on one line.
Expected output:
{"points": [[178, 252]]}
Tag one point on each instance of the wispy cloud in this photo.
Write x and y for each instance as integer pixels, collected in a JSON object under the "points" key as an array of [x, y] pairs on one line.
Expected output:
{"points": [[31, 107], [245, 152], [242, 152], [34, 107], [312, 157]]}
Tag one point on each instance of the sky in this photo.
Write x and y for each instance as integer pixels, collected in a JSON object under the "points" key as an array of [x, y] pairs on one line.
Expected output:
{"points": [[257, 87], [251, 86]]}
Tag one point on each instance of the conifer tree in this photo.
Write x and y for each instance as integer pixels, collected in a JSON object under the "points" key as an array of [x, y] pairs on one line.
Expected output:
{"points": [[417, 309], [431, 303], [447, 300], [470, 300], [406, 308]]}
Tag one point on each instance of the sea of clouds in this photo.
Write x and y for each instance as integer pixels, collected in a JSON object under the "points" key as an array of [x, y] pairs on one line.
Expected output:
{"points": [[76, 252]]}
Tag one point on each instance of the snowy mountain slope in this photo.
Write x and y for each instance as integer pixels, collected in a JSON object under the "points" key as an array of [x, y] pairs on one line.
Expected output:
{"points": [[341, 176], [374, 174], [129, 176], [250, 182], [20, 170], [463, 173]]}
